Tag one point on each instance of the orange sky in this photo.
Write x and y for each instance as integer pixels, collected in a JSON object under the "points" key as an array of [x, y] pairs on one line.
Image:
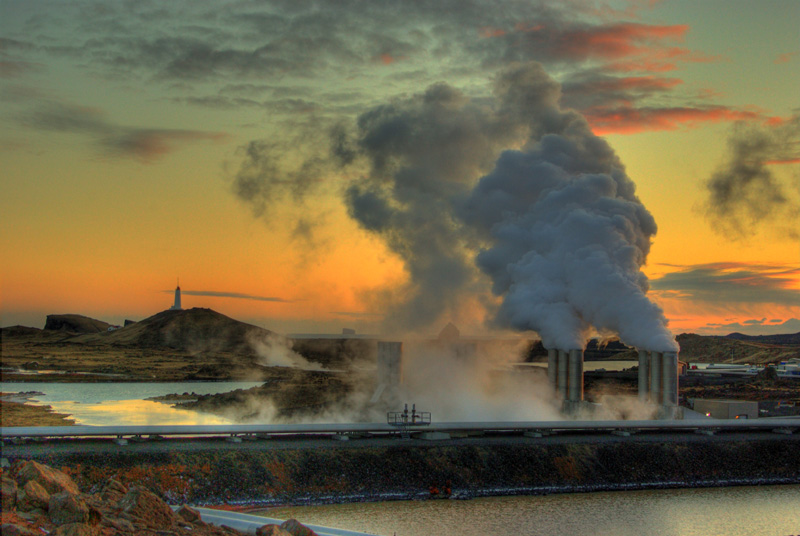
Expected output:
{"points": [[130, 138]]}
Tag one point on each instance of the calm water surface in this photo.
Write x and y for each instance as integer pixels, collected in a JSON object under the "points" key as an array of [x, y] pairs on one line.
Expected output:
{"points": [[123, 403], [740, 511]]}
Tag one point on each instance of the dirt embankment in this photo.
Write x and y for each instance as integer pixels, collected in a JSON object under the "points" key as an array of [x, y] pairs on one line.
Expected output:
{"points": [[21, 414], [406, 470]]}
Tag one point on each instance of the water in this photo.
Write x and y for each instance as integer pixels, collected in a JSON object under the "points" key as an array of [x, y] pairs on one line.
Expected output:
{"points": [[739, 511], [124, 403]]}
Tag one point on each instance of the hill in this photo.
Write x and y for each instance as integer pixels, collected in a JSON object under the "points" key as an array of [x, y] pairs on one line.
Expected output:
{"points": [[75, 324], [195, 331], [718, 349], [792, 339]]}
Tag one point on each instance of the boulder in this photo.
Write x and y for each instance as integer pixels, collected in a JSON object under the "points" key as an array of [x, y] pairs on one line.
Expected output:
{"points": [[189, 514], [295, 528], [8, 494], [66, 507], [12, 529], [32, 496], [53, 480], [113, 490], [146, 509], [74, 529], [272, 530]]}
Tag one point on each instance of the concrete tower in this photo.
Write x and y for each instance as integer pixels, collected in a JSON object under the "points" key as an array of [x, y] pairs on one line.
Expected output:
{"points": [[177, 305]]}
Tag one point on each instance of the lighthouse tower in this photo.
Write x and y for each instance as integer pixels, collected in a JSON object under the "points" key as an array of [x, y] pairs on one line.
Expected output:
{"points": [[177, 305]]}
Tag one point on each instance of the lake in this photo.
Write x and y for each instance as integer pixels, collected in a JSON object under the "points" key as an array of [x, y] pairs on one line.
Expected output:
{"points": [[124, 403], [735, 511]]}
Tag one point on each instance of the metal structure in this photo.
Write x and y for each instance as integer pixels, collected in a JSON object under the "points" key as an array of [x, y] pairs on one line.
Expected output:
{"points": [[403, 420], [565, 374], [658, 379], [778, 425]]}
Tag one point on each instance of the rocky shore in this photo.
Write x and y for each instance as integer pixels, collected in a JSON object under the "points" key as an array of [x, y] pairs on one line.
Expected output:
{"points": [[38, 499], [270, 473]]}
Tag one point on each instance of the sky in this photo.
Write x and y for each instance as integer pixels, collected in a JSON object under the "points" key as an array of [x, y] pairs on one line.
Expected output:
{"points": [[313, 166]]}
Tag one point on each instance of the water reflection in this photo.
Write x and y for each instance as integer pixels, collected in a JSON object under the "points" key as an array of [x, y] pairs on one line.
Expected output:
{"points": [[133, 412], [123, 403], [739, 511]]}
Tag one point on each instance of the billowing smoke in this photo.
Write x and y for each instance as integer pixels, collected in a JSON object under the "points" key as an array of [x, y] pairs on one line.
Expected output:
{"points": [[555, 224], [569, 238], [745, 191], [422, 155]]}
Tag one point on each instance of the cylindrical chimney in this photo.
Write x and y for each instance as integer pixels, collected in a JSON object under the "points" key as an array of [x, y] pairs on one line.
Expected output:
{"points": [[644, 375], [669, 377], [552, 367], [575, 375], [655, 377], [562, 373]]}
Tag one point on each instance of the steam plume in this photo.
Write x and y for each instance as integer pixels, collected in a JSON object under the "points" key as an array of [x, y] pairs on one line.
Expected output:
{"points": [[556, 224], [744, 191]]}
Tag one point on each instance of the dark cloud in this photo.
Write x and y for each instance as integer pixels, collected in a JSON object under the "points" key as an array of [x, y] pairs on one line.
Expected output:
{"points": [[145, 144], [235, 295], [596, 89], [267, 177], [732, 283], [757, 327], [745, 191], [273, 44]]}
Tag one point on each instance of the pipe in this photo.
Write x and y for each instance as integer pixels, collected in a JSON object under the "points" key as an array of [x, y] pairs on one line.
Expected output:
{"points": [[644, 375], [669, 378], [562, 373], [552, 367], [575, 375], [655, 377]]}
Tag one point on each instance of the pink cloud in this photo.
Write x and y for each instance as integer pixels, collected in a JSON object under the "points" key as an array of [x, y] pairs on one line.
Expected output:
{"points": [[630, 120]]}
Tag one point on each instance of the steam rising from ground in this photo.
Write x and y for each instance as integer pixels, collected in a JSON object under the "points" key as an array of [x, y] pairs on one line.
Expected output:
{"points": [[478, 387], [276, 351]]}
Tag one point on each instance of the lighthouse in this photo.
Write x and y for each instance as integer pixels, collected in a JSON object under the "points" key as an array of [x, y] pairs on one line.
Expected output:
{"points": [[177, 305]]}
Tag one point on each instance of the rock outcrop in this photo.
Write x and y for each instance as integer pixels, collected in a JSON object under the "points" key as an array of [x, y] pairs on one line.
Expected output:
{"points": [[38, 499], [75, 324]]}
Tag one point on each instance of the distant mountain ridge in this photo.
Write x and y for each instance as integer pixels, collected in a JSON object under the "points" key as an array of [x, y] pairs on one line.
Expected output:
{"points": [[790, 339]]}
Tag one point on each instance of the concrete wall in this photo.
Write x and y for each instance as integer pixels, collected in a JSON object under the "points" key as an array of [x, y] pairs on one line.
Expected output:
{"points": [[726, 409]]}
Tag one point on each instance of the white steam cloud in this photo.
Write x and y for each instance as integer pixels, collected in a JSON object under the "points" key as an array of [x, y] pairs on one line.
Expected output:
{"points": [[556, 224]]}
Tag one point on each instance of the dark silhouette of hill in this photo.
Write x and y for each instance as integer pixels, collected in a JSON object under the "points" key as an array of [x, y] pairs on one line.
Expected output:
{"points": [[196, 330], [75, 324], [789, 339]]}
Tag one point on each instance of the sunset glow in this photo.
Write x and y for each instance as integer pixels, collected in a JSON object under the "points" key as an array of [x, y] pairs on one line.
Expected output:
{"points": [[213, 143]]}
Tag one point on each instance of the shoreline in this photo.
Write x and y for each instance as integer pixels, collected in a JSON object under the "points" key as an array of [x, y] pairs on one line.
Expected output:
{"points": [[249, 507], [273, 473]]}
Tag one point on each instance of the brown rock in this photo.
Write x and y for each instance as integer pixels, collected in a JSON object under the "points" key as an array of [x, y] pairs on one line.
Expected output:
{"points": [[8, 494], [113, 490], [272, 530], [66, 507], [189, 514], [146, 509], [11, 529], [295, 528], [119, 525], [53, 480], [74, 529], [32, 496]]}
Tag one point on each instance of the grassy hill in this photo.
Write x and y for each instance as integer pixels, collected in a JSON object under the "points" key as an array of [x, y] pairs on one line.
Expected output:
{"points": [[196, 331]]}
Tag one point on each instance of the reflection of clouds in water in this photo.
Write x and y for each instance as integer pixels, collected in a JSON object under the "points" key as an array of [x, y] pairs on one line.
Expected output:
{"points": [[133, 412]]}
